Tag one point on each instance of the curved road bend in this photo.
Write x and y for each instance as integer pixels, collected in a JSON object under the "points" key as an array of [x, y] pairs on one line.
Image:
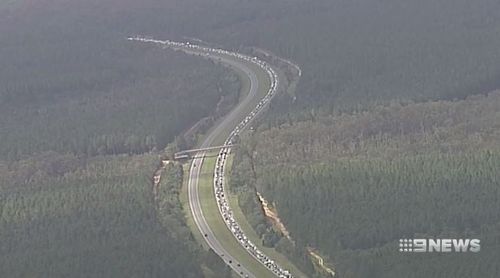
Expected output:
{"points": [[228, 123]]}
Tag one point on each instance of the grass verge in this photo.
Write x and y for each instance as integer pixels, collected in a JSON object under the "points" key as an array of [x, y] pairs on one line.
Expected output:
{"points": [[208, 203], [216, 223], [281, 259]]}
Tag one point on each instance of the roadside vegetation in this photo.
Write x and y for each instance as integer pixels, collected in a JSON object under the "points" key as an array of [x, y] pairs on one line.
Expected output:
{"points": [[84, 117], [353, 185], [135, 100], [390, 132], [92, 218]]}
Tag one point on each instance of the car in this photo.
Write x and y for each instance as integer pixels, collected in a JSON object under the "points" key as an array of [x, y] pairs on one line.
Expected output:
{"points": [[206, 235]]}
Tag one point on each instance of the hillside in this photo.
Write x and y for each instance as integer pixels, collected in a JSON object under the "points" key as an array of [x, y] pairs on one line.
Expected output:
{"points": [[84, 116], [353, 185], [391, 132]]}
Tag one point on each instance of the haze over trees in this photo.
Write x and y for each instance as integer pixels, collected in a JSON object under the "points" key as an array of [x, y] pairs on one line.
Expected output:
{"points": [[105, 98], [353, 185], [390, 127], [83, 116], [384, 139], [95, 220]]}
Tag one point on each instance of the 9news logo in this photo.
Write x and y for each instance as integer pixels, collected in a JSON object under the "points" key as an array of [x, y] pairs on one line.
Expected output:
{"points": [[439, 245]]}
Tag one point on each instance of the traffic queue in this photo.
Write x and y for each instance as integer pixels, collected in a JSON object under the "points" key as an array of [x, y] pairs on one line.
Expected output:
{"points": [[220, 195]]}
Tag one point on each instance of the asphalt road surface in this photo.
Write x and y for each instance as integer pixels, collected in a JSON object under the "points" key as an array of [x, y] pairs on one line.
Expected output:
{"points": [[246, 110], [228, 123]]}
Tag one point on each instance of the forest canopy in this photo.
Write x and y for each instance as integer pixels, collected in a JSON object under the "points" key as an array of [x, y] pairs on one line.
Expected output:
{"points": [[353, 184], [391, 111]]}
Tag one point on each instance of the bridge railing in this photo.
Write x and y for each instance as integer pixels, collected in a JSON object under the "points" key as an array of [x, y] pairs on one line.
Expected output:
{"points": [[186, 154]]}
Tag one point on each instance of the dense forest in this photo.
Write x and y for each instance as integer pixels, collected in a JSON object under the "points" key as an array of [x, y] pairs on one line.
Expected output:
{"points": [[390, 124], [95, 218], [353, 184], [90, 218], [353, 53], [107, 98], [84, 115]]}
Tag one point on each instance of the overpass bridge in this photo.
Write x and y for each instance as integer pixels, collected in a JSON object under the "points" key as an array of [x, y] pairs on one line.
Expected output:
{"points": [[186, 154]]}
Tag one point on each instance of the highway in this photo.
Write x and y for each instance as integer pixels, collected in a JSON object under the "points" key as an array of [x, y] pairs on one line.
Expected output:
{"points": [[227, 129], [194, 172]]}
